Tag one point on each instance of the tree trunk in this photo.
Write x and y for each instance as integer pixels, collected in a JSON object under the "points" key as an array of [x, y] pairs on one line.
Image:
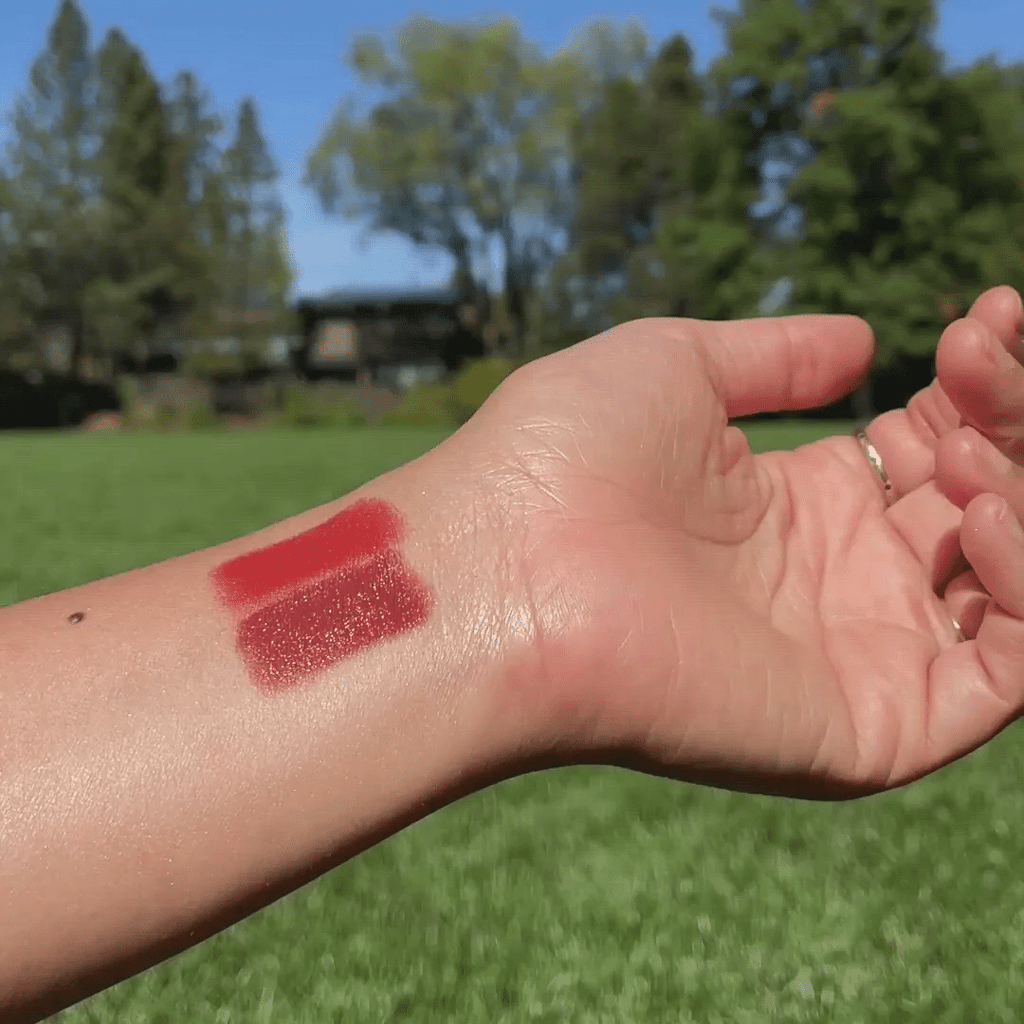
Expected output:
{"points": [[515, 307], [77, 354]]}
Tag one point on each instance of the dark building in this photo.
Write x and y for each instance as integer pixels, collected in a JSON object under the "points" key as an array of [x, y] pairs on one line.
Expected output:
{"points": [[391, 338]]}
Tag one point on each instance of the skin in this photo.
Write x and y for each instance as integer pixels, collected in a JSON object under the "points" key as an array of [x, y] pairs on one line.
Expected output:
{"points": [[828, 665], [617, 579]]}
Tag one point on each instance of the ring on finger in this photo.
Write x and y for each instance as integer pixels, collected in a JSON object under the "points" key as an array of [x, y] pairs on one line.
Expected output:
{"points": [[871, 452]]}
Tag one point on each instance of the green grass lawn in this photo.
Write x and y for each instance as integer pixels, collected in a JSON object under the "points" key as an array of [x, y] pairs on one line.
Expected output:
{"points": [[590, 895]]}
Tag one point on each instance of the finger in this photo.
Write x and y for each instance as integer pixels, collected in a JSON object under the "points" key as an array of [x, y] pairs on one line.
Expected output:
{"points": [[1002, 311], [906, 443], [929, 524], [786, 363], [967, 464], [967, 601], [993, 542], [977, 688], [984, 382], [906, 439]]}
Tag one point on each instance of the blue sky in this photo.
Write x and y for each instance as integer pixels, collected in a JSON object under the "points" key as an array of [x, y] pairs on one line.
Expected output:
{"points": [[288, 57]]}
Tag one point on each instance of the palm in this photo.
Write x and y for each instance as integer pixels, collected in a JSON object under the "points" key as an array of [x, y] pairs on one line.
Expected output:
{"points": [[724, 616], [870, 632]]}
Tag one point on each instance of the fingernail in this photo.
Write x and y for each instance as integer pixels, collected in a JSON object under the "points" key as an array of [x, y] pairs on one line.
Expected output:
{"points": [[994, 349], [980, 337]]}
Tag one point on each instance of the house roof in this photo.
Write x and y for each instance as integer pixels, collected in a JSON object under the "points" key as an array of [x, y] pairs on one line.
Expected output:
{"points": [[345, 298]]}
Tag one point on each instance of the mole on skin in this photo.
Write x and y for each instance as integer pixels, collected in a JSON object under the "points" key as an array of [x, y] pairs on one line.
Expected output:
{"points": [[308, 602]]}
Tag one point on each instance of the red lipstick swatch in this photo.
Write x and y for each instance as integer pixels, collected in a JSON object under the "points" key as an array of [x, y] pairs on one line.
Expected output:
{"points": [[308, 602]]}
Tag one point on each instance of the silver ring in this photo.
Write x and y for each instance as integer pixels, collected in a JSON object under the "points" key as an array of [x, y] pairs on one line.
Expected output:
{"points": [[876, 461]]}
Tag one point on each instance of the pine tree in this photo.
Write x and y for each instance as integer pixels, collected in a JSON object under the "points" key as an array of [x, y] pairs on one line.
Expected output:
{"points": [[197, 197], [50, 223], [665, 184], [709, 246], [133, 295], [256, 272], [120, 219]]}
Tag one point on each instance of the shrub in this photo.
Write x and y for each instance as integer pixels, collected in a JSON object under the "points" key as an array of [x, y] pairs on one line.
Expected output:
{"points": [[306, 406], [165, 416], [127, 393], [200, 416], [472, 386], [453, 402], [165, 402], [425, 405]]}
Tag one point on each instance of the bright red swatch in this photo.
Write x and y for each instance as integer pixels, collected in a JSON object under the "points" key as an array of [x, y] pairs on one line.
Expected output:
{"points": [[308, 602], [364, 529]]}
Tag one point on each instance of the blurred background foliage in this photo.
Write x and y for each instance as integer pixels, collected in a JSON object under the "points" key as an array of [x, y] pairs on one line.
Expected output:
{"points": [[828, 161]]}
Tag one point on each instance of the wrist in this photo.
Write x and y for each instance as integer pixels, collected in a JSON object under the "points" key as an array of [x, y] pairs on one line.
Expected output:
{"points": [[483, 634]]}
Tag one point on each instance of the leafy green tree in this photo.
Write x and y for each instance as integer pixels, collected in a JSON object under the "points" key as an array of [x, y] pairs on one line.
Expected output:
{"points": [[900, 184], [468, 151], [914, 202], [50, 227]]}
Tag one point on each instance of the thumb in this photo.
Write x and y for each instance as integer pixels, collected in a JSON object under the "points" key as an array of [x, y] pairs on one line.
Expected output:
{"points": [[789, 362]]}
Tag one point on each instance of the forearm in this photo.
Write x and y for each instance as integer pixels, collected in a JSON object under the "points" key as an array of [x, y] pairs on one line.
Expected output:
{"points": [[167, 767]]}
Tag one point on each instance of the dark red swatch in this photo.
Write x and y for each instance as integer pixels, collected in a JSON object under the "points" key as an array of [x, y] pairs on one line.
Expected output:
{"points": [[332, 619], [307, 603]]}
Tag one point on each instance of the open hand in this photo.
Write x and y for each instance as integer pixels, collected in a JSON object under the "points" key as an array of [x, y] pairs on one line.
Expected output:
{"points": [[766, 622]]}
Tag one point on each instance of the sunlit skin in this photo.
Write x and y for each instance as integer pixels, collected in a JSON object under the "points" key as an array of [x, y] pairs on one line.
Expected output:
{"points": [[765, 622]]}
